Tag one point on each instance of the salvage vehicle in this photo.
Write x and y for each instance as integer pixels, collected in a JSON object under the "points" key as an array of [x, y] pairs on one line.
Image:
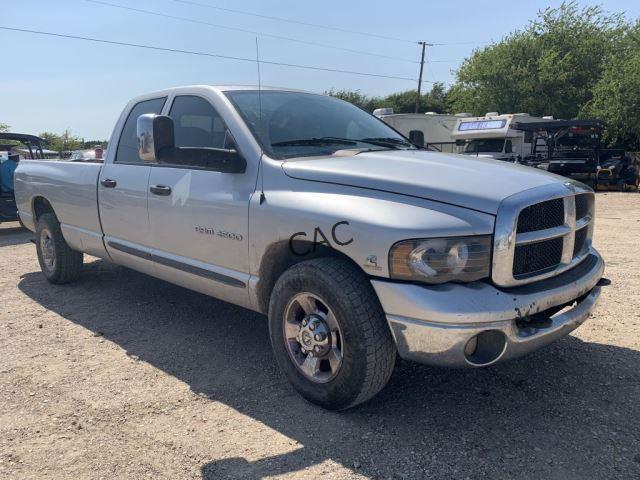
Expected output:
{"points": [[10, 143], [570, 148], [356, 244], [619, 170]]}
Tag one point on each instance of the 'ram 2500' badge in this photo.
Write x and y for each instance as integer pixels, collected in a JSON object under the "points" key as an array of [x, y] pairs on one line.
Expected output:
{"points": [[218, 233]]}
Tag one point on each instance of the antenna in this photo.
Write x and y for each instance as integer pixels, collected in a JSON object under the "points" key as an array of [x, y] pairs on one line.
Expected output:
{"points": [[260, 126]]}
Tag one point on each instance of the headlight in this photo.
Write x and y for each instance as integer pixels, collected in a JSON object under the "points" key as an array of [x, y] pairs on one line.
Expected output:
{"points": [[440, 260]]}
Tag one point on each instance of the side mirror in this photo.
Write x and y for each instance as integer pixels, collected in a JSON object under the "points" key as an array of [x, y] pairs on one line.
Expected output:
{"points": [[156, 144], [417, 138], [155, 132]]}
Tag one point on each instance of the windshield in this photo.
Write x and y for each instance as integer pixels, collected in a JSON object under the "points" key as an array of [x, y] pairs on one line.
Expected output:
{"points": [[294, 124], [484, 145]]}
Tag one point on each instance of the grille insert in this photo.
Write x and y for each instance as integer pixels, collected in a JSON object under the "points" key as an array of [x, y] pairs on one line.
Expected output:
{"points": [[541, 216], [580, 241], [536, 257], [583, 207]]}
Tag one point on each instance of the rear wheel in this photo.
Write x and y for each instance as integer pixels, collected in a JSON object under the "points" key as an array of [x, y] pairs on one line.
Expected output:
{"points": [[58, 262], [329, 334]]}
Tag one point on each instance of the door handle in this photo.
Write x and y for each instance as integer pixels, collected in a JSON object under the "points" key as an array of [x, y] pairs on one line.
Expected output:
{"points": [[108, 183], [160, 190]]}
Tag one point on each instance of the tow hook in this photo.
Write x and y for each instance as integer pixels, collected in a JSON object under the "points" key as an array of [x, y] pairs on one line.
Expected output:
{"points": [[603, 282]]}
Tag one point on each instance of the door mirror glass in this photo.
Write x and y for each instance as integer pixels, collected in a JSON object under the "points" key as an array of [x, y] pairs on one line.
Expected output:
{"points": [[417, 138], [155, 134]]}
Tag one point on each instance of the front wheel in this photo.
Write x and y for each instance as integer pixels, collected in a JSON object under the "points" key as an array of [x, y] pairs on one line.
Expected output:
{"points": [[58, 262], [329, 333]]}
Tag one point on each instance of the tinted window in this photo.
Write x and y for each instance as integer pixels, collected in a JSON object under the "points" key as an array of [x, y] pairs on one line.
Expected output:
{"points": [[486, 145], [196, 123], [292, 124], [127, 151]]}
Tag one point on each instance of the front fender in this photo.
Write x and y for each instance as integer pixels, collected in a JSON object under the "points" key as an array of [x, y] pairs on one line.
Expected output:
{"points": [[360, 223]]}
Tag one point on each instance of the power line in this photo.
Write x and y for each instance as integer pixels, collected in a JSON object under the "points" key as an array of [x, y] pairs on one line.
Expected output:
{"points": [[317, 25], [207, 54], [252, 32], [297, 22]]}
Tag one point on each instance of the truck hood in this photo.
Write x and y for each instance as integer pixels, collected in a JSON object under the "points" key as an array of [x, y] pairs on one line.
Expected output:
{"points": [[470, 182]]}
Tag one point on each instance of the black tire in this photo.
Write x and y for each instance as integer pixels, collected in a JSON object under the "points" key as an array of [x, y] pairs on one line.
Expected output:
{"points": [[368, 350], [59, 263]]}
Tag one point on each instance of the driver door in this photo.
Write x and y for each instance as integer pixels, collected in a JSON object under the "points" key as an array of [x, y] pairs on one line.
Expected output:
{"points": [[198, 217]]}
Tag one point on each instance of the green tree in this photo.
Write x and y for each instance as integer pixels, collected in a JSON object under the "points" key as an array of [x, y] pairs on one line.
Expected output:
{"points": [[435, 100], [616, 96], [63, 142], [549, 68], [4, 127], [354, 96]]}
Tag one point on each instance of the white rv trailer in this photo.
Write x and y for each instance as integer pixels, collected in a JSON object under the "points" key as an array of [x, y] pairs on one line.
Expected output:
{"points": [[431, 130], [492, 136]]}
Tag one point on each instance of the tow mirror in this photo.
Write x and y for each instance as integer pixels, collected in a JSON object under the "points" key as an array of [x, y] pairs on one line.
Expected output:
{"points": [[156, 144], [155, 133], [417, 138]]}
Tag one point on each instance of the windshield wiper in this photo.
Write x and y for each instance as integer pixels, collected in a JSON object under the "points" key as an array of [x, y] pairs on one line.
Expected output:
{"points": [[315, 141], [396, 143]]}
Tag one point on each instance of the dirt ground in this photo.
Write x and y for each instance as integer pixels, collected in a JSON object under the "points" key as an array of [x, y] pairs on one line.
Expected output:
{"points": [[123, 376]]}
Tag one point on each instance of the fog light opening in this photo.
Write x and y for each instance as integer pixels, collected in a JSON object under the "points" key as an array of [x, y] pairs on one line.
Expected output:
{"points": [[485, 348]]}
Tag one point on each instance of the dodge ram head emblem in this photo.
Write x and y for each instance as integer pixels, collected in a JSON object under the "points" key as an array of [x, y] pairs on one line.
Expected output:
{"points": [[371, 263]]}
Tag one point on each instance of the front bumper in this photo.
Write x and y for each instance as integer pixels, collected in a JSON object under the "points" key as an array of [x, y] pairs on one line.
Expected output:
{"points": [[439, 324]]}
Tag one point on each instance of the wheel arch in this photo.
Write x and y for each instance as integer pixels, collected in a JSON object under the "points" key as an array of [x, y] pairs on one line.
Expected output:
{"points": [[39, 206], [279, 257]]}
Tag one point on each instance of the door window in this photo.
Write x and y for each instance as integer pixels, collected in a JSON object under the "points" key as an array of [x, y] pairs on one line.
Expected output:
{"points": [[127, 151], [196, 123]]}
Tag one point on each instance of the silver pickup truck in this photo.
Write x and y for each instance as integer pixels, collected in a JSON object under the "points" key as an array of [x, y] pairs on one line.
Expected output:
{"points": [[358, 245]]}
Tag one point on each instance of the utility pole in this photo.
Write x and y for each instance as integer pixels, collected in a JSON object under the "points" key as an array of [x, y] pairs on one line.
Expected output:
{"points": [[424, 46]]}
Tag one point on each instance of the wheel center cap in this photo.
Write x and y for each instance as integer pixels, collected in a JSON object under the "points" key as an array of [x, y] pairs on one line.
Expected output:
{"points": [[314, 336]]}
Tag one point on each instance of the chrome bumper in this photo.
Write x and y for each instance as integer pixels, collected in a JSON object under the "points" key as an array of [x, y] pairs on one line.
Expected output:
{"points": [[435, 324]]}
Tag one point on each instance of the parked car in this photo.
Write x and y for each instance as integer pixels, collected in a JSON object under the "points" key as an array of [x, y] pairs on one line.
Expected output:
{"points": [[10, 144], [355, 243]]}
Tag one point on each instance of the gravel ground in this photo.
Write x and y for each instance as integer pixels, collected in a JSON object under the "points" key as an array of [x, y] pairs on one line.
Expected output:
{"points": [[123, 376]]}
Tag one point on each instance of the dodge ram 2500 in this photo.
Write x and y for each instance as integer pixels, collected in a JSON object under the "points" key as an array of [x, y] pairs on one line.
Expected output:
{"points": [[358, 245]]}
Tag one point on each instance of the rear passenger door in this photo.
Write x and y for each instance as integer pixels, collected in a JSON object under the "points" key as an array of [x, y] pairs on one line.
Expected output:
{"points": [[122, 195], [199, 217]]}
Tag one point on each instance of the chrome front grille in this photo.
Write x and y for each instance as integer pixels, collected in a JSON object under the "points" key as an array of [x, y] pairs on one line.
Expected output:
{"points": [[542, 232], [537, 257], [541, 216]]}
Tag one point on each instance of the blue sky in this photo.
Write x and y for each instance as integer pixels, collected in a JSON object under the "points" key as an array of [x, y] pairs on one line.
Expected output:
{"points": [[52, 84]]}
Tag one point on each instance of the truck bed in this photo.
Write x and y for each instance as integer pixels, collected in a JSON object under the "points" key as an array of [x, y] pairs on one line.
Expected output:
{"points": [[71, 188]]}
